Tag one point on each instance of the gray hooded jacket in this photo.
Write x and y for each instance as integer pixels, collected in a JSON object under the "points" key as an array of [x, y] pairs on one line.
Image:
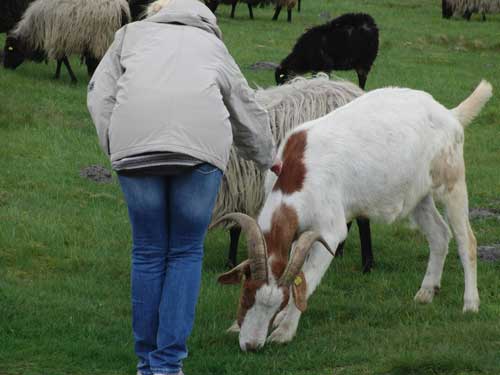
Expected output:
{"points": [[168, 84]]}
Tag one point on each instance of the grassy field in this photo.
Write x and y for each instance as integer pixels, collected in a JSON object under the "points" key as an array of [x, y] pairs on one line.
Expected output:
{"points": [[65, 243]]}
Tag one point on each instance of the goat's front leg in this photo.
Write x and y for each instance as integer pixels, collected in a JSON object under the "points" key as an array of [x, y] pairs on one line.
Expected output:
{"points": [[314, 268]]}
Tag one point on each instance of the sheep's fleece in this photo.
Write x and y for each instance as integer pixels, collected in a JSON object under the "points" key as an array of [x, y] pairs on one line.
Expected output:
{"points": [[135, 110]]}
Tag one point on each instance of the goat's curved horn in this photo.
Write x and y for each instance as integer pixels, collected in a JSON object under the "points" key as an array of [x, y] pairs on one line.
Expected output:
{"points": [[256, 245], [302, 248]]}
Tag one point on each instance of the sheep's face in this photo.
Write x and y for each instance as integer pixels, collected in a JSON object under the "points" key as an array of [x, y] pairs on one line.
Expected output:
{"points": [[13, 53], [259, 304], [281, 75]]}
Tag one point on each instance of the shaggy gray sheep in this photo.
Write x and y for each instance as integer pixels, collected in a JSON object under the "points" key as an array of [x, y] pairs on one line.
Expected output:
{"points": [[466, 8], [56, 29]]}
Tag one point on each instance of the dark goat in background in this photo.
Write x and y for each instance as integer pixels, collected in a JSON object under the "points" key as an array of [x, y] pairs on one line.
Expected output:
{"points": [[347, 42], [213, 4], [289, 4]]}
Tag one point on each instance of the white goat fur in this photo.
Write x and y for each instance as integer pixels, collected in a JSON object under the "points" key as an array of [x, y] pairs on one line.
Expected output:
{"points": [[65, 27], [384, 156], [289, 105], [474, 6]]}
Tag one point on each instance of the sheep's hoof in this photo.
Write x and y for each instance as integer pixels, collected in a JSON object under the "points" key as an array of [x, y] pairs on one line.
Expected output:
{"points": [[424, 295], [284, 333], [471, 305]]}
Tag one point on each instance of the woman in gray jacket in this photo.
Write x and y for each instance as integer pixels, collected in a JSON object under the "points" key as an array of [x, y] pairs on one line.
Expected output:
{"points": [[168, 101]]}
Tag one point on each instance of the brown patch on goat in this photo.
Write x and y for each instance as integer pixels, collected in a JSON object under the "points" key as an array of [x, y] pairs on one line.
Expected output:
{"points": [[293, 172], [447, 169], [284, 225], [247, 298]]}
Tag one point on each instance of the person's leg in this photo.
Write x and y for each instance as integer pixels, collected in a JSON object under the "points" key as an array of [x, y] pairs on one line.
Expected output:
{"points": [[192, 198], [146, 198]]}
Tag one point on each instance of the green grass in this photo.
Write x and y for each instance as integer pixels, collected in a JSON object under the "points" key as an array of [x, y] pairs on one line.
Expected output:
{"points": [[64, 241]]}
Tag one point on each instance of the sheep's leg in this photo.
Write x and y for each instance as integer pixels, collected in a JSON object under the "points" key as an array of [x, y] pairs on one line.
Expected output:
{"points": [[289, 17], [68, 68], [298, 7], [436, 231], [234, 235], [233, 8], [314, 268], [58, 69], [366, 244], [340, 249], [91, 63], [457, 209], [362, 75], [483, 16], [277, 12], [250, 11]]}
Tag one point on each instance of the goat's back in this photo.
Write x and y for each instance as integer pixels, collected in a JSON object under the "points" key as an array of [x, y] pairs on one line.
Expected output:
{"points": [[378, 152]]}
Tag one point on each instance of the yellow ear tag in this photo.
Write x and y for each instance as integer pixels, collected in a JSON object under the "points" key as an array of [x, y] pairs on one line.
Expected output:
{"points": [[10, 48], [297, 281]]}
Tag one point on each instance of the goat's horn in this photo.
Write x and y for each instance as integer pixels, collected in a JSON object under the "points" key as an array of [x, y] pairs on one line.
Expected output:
{"points": [[302, 248], [256, 245]]}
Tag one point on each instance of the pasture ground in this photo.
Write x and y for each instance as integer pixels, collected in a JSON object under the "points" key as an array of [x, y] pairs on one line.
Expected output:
{"points": [[64, 240]]}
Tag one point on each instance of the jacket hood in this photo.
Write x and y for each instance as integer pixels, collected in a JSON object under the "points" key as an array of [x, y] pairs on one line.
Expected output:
{"points": [[188, 12]]}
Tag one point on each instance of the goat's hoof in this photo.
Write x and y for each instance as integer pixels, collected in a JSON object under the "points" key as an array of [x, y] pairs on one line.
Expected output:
{"points": [[284, 333], [279, 318], [471, 305], [235, 328], [424, 295]]}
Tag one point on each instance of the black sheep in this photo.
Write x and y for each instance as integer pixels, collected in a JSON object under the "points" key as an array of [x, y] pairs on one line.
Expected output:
{"points": [[347, 42]]}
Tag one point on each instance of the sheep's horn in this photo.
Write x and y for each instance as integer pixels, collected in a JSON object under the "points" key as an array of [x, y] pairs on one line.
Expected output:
{"points": [[302, 248], [256, 245]]}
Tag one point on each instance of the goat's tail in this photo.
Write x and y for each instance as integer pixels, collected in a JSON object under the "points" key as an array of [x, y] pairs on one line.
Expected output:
{"points": [[470, 107]]}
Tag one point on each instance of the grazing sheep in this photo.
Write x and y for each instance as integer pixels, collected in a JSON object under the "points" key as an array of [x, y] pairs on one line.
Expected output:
{"points": [[289, 4], [290, 105], [347, 42], [466, 8], [11, 12], [213, 4], [386, 155], [57, 29]]}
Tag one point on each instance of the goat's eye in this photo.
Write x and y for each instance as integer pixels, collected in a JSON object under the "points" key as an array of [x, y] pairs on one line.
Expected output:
{"points": [[10, 48]]}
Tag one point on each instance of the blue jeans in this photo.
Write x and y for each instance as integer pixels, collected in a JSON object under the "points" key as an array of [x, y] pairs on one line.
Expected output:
{"points": [[169, 217]]}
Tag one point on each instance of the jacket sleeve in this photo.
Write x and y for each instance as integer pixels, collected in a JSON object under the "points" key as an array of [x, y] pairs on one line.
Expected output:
{"points": [[250, 122], [101, 91]]}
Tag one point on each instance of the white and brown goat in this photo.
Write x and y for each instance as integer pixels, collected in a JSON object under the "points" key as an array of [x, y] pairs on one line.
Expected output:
{"points": [[385, 156]]}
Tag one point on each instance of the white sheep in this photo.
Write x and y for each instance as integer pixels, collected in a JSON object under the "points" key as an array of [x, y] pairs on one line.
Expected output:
{"points": [[386, 155]]}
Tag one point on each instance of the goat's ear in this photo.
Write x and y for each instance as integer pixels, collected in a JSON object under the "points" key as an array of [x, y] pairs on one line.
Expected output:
{"points": [[299, 290], [235, 275]]}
